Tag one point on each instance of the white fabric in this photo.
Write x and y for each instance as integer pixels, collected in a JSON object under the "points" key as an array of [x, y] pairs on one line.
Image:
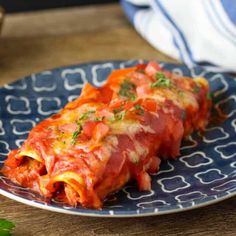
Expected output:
{"points": [[194, 31]]}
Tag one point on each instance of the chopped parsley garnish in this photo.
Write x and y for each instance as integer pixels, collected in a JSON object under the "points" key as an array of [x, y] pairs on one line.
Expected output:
{"points": [[121, 115], [118, 110], [196, 88], [210, 96], [99, 118], [5, 227], [118, 116], [161, 81], [85, 115], [139, 109], [137, 106], [76, 133], [113, 119], [127, 90], [133, 97]]}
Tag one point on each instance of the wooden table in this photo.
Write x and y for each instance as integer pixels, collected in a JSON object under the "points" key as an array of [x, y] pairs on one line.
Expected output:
{"points": [[36, 41]]}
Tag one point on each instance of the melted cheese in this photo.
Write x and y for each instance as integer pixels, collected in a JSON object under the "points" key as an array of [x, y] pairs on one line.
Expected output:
{"points": [[138, 152], [130, 128]]}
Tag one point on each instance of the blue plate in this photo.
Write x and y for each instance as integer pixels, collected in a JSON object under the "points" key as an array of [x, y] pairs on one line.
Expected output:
{"points": [[204, 174]]}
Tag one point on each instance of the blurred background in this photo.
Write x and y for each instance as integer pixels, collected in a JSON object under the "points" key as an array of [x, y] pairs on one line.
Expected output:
{"points": [[30, 5], [38, 35]]}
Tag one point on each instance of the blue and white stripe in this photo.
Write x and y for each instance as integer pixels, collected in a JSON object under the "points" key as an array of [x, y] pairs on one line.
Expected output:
{"points": [[196, 32]]}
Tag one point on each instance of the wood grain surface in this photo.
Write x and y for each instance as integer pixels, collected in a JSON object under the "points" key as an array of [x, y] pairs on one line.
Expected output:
{"points": [[41, 40], [36, 41]]}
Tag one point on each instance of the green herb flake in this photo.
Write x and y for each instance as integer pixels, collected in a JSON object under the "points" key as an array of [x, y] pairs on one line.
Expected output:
{"points": [[210, 95], [121, 115], [113, 119], [5, 227], [76, 134], [127, 90], [132, 97], [99, 118], [160, 75], [85, 115], [118, 110], [118, 116], [139, 109], [196, 88], [161, 81], [127, 85]]}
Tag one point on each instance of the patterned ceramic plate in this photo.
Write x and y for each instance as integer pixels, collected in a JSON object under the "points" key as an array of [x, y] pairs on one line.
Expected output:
{"points": [[204, 174]]}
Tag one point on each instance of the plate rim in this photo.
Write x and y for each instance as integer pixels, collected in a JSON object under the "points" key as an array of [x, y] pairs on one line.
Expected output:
{"points": [[134, 214]]}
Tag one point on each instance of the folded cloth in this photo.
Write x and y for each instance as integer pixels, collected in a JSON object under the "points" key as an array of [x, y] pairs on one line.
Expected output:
{"points": [[197, 32]]}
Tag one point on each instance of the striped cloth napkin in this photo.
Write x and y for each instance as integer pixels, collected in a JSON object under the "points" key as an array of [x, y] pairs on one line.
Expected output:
{"points": [[197, 32]]}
